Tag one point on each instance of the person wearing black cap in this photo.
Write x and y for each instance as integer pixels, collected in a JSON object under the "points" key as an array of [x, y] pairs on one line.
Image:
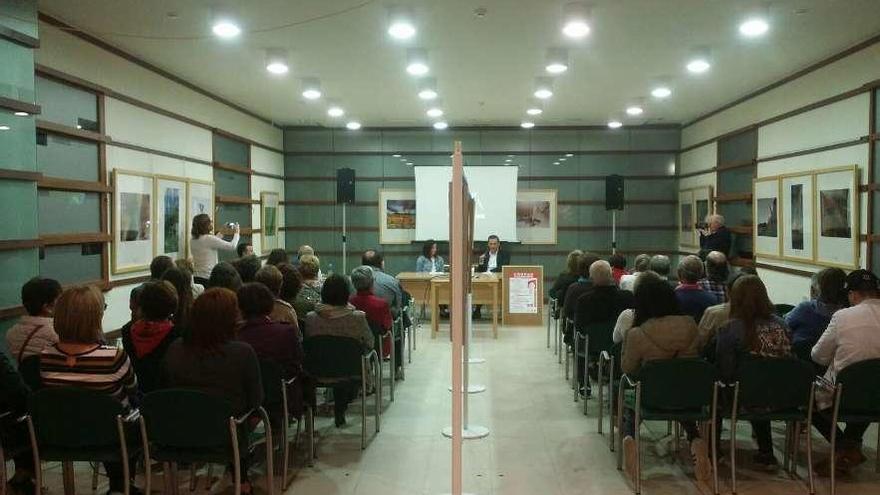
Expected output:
{"points": [[853, 335]]}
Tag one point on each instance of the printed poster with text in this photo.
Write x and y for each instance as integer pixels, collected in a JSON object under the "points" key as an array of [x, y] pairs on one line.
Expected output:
{"points": [[523, 293]]}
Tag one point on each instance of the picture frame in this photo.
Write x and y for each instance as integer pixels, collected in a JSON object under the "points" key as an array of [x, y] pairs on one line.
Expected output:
{"points": [[797, 192], [837, 223], [397, 216], [199, 199], [269, 213], [766, 232], [133, 245], [169, 210], [687, 236], [536, 216]]}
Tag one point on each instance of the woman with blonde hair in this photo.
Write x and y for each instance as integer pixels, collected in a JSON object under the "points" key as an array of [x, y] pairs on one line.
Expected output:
{"points": [[567, 277], [309, 293]]}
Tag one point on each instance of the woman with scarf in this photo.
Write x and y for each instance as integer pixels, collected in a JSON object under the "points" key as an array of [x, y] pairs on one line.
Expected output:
{"points": [[150, 336]]}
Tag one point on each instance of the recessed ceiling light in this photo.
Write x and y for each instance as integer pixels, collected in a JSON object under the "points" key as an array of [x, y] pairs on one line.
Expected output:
{"points": [[427, 94], [311, 88], [534, 111], [615, 124], [507, 160], [226, 29], [417, 68], [634, 110], [527, 125], [409, 163], [543, 93], [753, 27], [4, 127], [402, 30], [277, 68], [276, 61], [698, 65], [21, 114], [417, 62], [396, 155], [353, 125], [575, 20], [661, 92], [543, 88], [569, 155], [556, 68], [335, 112], [434, 112], [311, 94], [562, 159], [555, 163], [557, 61], [440, 125]]}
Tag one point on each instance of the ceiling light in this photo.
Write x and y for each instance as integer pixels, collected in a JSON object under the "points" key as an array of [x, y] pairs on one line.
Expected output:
{"points": [[543, 93], [661, 92], [427, 94], [434, 112], [557, 61], [277, 68], [335, 112], [276, 61], [615, 124], [417, 62], [562, 159], [428, 88], [534, 111], [226, 29], [575, 18], [400, 24], [543, 88], [396, 155], [753, 27], [311, 88], [699, 61], [634, 110], [353, 125], [409, 163], [440, 125], [556, 68], [569, 155], [527, 125], [555, 163], [4, 127], [21, 114]]}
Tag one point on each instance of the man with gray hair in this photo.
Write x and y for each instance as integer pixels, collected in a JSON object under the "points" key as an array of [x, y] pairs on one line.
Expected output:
{"points": [[661, 265], [692, 299], [377, 311], [714, 236], [642, 263], [717, 273], [601, 303]]}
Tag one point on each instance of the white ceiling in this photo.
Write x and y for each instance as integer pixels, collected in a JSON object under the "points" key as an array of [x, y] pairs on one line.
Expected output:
{"points": [[485, 67]]}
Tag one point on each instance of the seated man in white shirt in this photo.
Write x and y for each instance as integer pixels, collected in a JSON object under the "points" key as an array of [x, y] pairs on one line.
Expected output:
{"points": [[491, 261], [853, 335]]}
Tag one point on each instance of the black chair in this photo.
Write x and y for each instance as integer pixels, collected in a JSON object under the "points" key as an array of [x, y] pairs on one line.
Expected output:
{"points": [[13, 440], [399, 333], [29, 369], [774, 389], [552, 316], [190, 426], [597, 338], [378, 341], [276, 393], [681, 389], [69, 424], [856, 399], [609, 363], [331, 359]]}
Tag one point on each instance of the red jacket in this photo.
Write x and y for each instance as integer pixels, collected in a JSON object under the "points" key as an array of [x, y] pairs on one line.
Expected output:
{"points": [[378, 313]]}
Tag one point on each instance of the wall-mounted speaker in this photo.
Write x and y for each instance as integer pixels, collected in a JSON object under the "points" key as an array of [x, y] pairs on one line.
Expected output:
{"points": [[345, 185]]}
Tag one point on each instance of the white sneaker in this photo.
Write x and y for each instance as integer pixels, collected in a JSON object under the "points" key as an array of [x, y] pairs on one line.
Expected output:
{"points": [[629, 456], [700, 454]]}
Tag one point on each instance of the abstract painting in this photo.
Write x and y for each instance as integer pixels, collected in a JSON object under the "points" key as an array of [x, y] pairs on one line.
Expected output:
{"points": [[171, 227], [834, 213], [767, 218], [135, 216]]}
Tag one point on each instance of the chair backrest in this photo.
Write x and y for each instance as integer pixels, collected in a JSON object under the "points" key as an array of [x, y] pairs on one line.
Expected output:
{"points": [[782, 309], [332, 357], [272, 377], [677, 384], [29, 368], [861, 395], [600, 335], [775, 383], [186, 419], [70, 417]]}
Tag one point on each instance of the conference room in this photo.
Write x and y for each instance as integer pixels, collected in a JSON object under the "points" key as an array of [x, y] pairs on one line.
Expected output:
{"points": [[411, 246]]}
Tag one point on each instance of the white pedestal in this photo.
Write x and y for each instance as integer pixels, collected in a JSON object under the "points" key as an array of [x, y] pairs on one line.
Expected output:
{"points": [[476, 361], [472, 388], [470, 433]]}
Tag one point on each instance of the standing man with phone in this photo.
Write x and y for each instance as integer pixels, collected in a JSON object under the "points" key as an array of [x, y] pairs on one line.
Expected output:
{"points": [[714, 236]]}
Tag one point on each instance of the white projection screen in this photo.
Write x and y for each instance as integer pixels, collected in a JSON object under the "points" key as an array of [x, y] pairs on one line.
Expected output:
{"points": [[494, 191]]}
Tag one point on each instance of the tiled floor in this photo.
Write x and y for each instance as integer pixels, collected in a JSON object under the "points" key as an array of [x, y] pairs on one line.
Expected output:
{"points": [[540, 443]]}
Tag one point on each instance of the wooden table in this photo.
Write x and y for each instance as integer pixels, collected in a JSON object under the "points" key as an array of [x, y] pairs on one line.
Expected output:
{"points": [[433, 289], [418, 284]]}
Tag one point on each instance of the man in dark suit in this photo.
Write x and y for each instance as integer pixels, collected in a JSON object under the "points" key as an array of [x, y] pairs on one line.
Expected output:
{"points": [[715, 237], [491, 261]]}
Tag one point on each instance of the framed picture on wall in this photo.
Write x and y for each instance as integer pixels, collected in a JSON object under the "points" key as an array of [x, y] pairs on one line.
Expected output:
{"points": [[170, 214], [837, 216], [797, 217], [132, 221], [268, 220], [686, 232], [536, 216], [765, 217], [397, 216], [199, 199]]}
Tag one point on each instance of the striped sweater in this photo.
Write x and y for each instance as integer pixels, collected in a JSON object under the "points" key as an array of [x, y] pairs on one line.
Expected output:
{"points": [[102, 369]]}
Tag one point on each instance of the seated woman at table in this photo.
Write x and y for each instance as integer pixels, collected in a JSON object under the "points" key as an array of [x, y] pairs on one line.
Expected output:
{"points": [[429, 261]]}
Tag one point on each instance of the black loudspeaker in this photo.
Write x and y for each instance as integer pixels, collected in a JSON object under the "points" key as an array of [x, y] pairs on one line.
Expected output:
{"points": [[345, 185], [614, 192]]}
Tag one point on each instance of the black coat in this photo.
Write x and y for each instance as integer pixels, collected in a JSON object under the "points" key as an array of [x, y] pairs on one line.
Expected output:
{"points": [[503, 258]]}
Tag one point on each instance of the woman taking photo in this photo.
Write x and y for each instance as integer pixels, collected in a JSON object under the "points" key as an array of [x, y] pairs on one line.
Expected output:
{"points": [[205, 245], [429, 261]]}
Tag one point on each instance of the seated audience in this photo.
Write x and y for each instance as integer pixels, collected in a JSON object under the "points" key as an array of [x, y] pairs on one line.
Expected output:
{"points": [[272, 340], [159, 265], [659, 331], [574, 291], [717, 273], [852, 336], [13, 398], [566, 278], [618, 266], [625, 320], [602, 303], [244, 249], [34, 331], [661, 265], [79, 359], [375, 308], [277, 256], [182, 285], [692, 299], [209, 359], [336, 317], [810, 318], [753, 330], [384, 285], [641, 264], [225, 276], [282, 311], [149, 337], [291, 282], [186, 265], [714, 318], [301, 251], [247, 267], [430, 260], [309, 294]]}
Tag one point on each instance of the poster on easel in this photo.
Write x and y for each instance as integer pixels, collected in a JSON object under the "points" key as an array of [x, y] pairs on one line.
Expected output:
{"points": [[522, 291]]}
